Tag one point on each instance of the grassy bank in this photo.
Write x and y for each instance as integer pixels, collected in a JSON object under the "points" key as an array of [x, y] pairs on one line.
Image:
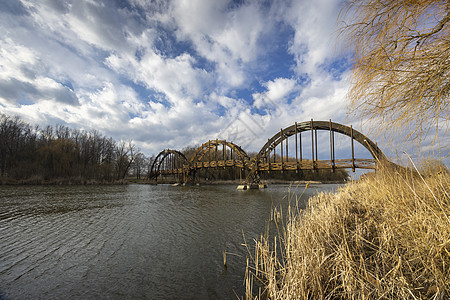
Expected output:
{"points": [[39, 180], [386, 236]]}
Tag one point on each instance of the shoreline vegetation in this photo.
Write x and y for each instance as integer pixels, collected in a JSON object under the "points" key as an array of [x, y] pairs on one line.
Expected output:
{"points": [[385, 236], [61, 155], [38, 180]]}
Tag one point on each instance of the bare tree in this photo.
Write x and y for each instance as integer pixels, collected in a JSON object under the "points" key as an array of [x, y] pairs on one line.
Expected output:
{"points": [[401, 75], [125, 152], [62, 153], [139, 164]]}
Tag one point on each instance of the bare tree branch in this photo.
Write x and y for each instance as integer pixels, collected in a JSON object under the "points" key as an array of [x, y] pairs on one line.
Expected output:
{"points": [[401, 73]]}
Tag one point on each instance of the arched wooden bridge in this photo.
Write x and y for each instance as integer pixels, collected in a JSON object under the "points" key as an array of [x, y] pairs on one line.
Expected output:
{"points": [[225, 154], [168, 162]]}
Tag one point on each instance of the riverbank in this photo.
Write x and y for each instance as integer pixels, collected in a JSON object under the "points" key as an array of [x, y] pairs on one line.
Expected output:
{"points": [[275, 181], [385, 236], [38, 180], [304, 182], [237, 182]]}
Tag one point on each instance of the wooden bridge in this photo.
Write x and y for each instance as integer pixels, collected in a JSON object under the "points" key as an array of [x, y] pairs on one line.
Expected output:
{"points": [[224, 154]]}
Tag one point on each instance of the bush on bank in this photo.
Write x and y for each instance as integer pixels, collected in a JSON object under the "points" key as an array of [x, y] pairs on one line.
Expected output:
{"points": [[386, 236]]}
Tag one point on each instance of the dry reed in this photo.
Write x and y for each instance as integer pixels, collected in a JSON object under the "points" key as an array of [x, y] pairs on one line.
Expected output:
{"points": [[386, 236]]}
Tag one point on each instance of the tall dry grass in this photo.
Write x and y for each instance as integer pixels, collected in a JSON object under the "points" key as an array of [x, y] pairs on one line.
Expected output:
{"points": [[386, 236]]}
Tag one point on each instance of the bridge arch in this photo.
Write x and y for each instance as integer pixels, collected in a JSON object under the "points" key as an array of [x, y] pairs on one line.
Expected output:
{"points": [[168, 161], [312, 125], [204, 149], [263, 156]]}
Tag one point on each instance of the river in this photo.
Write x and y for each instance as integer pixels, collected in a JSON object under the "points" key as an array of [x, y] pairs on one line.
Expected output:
{"points": [[132, 241]]}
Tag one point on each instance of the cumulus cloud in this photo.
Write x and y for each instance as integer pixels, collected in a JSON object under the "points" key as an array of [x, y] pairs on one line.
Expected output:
{"points": [[315, 32], [176, 77], [222, 33], [21, 78], [278, 91], [40, 89]]}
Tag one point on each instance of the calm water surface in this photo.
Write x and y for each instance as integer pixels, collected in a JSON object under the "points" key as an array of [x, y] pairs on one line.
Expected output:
{"points": [[131, 242]]}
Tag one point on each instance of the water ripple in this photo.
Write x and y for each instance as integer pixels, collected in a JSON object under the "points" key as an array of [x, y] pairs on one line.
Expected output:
{"points": [[136, 241]]}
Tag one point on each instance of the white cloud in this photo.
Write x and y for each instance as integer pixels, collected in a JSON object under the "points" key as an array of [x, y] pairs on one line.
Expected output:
{"points": [[175, 77], [21, 79], [277, 93], [315, 32], [226, 36], [14, 59]]}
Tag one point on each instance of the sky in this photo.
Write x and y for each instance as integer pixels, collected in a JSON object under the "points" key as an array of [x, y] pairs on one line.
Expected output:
{"points": [[171, 74]]}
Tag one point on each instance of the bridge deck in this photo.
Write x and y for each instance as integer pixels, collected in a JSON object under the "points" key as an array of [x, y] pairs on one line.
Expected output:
{"points": [[278, 166], [321, 164], [218, 163]]}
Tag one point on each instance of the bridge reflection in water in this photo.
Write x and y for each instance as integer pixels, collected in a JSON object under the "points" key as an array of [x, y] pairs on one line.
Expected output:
{"points": [[224, 154]]}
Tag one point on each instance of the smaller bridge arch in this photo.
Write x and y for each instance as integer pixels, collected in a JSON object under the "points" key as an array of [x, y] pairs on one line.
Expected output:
{"points": [[168, 162], [210, 149], [217, 154]]}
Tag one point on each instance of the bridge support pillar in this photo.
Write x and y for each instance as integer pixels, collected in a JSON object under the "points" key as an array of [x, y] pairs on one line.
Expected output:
{"points": [[251, 186]]}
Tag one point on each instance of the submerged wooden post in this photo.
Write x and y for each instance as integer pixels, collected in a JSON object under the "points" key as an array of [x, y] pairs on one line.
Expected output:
{"points": [[225, 259]]}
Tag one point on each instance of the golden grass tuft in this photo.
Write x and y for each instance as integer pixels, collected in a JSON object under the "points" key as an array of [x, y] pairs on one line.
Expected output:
{"points": [[386, 236]]}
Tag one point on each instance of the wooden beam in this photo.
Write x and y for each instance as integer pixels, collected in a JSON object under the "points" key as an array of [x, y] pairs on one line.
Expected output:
{"points": [[353, 149], [281, 137], [312, 141]]}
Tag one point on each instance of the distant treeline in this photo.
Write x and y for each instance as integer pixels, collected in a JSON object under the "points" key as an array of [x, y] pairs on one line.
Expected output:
{"points": [[59, 154]]}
